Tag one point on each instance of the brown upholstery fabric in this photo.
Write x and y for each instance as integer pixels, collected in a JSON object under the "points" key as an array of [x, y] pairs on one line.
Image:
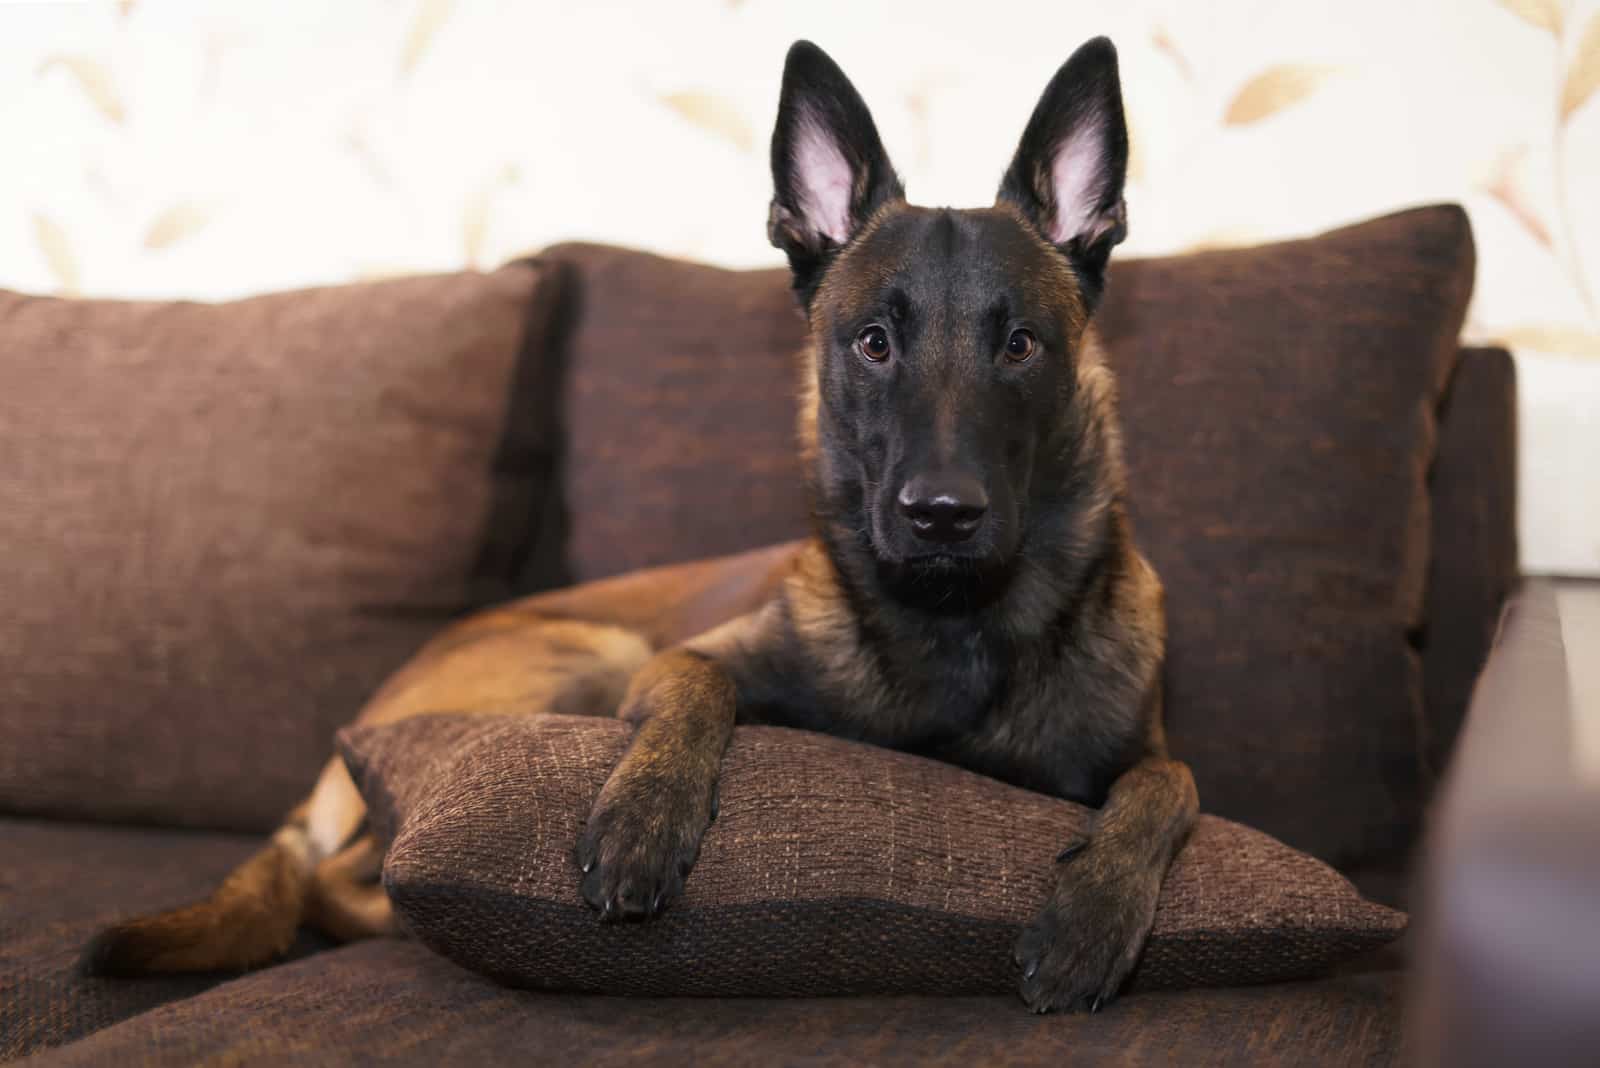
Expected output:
{"points": [[390, 1002], [222, 525], [59, 884], [1473, 567], [833, 868], [1278, 407]]}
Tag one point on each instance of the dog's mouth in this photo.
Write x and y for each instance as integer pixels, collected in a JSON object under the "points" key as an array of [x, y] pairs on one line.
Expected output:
{"points": [[951, 561], [944, 582]]}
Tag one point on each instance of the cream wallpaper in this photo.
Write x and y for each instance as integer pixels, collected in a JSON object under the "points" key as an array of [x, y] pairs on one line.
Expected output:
{"points": [[208, 150]]}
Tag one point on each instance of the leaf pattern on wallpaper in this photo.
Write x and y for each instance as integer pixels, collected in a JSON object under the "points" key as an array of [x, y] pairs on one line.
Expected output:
{"points": [[1226, 237], [1167, 46], [97, 179], [431, 14], [178, 223], [919, 105], [381, 272], [57, 250], [1561, 340], [1275, 89], [93, 79], [713, 113], [1137, 169], [1504, 186], [475, 218], [359, 145], [1545, 14], [1583, 77]]}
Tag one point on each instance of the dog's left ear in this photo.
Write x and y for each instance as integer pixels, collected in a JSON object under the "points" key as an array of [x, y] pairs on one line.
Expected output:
{"points": [[829, 169], [1068, 172]]}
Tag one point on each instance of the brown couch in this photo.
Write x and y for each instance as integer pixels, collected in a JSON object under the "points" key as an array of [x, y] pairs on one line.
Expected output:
{"points": [[225, 535]]}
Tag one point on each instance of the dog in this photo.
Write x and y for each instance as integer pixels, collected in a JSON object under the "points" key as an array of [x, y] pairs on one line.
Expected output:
{"points": [[971, 591]]}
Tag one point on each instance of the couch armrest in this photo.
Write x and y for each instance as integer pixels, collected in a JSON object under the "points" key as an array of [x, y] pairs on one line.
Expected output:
{"points": [[1508, 967]]}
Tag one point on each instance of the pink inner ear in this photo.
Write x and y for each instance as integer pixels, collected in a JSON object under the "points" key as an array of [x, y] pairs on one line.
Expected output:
{"points": [[1079, 174], [824, 181]]}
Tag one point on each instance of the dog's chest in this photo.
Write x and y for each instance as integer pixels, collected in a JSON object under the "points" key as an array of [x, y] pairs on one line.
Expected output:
{"points": [[934, 691], [1014, 716]]}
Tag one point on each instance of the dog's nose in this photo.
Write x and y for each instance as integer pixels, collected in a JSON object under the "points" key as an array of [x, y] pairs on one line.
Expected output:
{"points": [[944, 508]]}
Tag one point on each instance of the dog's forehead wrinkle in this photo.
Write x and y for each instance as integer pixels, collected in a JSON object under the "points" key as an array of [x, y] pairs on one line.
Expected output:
{"points": [[952, 274]]}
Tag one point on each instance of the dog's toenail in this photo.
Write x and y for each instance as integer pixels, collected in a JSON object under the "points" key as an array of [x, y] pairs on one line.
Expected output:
{"points": [[1072, 850]]}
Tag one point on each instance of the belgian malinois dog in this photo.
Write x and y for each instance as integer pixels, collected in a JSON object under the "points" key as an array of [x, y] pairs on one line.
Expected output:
{"points": [[971, 590]]}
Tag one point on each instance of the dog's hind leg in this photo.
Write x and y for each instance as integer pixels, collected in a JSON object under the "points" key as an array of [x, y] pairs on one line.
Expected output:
{"points": [[252, 917], [347, 899]]}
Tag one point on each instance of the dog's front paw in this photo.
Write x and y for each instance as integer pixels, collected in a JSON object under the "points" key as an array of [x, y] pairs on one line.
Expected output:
{"points": [[1080, 949], [641, 839]]}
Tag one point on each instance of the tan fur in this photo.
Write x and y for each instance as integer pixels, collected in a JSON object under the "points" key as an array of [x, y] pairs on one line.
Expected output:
{"points": [[824, 622], [347, 901], [571, 651], [248, 921], [663, 792]]}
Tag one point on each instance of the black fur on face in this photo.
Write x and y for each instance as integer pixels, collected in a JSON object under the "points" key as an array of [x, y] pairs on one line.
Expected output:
{"points": [[944, 436]]}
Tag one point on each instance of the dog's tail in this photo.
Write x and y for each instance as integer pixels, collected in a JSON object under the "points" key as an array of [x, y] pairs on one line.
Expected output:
{"points": [[306, 871]]}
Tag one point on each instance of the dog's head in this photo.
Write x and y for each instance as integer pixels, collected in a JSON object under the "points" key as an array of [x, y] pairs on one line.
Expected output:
{"points": [[942, 411]]}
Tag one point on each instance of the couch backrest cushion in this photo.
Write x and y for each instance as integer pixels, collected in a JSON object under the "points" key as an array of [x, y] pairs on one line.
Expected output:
{"points": [[1279, 415], [1279, 407], [222, 525], [679, 411], [1472, 568]]}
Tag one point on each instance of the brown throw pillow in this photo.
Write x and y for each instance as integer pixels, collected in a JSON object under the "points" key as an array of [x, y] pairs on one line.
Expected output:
{"points": [[833, 868], [221, 526], [1278, 407]]}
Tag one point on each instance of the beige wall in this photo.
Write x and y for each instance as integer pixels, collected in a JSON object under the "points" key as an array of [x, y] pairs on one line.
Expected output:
{"points": [[209, 150]]}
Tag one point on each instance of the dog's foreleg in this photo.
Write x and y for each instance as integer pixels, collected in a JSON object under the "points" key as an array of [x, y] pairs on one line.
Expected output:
{"points": [[644, 831], [1080, 949]]}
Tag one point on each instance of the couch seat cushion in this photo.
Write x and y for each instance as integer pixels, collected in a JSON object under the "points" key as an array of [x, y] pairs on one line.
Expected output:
{"points": [[59, 884], [390, 1002]]}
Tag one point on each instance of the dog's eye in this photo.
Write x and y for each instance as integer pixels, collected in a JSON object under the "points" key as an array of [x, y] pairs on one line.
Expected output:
{"points": [[1020, 345], [873, 343]]}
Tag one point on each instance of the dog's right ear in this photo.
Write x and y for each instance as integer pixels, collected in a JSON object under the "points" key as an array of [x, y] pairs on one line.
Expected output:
{"points": [[829, 169]]}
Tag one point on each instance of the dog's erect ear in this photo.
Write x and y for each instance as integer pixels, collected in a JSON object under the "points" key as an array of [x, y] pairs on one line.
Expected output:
{"points": [[1068, 171], [829, 169]]}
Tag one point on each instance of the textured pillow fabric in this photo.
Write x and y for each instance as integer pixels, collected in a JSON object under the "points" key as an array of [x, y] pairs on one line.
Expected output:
{"points": [[222, 525], [833, 868], [1278, 408]]}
